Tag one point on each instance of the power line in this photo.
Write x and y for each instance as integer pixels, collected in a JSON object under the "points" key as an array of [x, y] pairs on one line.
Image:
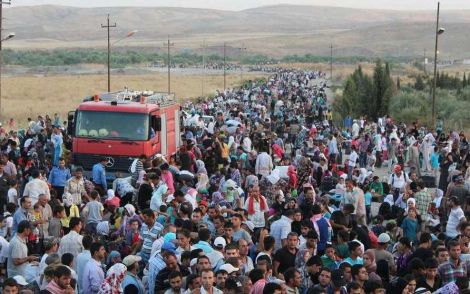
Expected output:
{"points": [[108, 27], [1, 54], [169, 45], [242, 48]]}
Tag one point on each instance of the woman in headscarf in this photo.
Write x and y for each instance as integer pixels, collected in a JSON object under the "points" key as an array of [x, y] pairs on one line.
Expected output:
{"points": [[114, 277], [71, 210], [371, 266], [202, 184], [57, 141], [201, 167], [293, 180], [129, 215], [235, 174], [102, 228], [114, 257]]}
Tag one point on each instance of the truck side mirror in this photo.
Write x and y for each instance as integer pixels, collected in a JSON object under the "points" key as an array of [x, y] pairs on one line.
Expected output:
{"points": [[71, 123], [157, 123]]}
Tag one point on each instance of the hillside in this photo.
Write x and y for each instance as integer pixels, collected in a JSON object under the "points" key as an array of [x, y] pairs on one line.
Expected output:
{"points": [[277, 30]]}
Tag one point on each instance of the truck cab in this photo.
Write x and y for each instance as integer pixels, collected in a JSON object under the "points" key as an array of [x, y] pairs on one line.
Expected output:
{"points": [[122, 129]]}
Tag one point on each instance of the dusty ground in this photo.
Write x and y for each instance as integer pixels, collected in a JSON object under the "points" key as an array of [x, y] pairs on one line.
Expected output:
{"points": [[28, 96]]}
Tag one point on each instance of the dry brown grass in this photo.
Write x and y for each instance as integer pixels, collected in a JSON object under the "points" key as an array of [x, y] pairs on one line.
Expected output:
{"points": [[29, 96]]}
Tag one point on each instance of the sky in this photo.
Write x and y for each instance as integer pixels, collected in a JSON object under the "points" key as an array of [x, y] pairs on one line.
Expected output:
{"points": [[245, 4]]}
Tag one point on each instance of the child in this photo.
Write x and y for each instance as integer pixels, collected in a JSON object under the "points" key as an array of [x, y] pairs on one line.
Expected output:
{"points": [[71, 210], [162, 215], [410, 226], [435, 163], [55, 224], [13, 192], [33, 238], [432, 215], [8, 220], [330, 259], [132, 237], [37, 213], [94, 212]]}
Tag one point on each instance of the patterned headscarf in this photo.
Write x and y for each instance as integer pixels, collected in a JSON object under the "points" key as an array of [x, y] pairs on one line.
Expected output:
{"points": [[114, 278], [103, 228]]}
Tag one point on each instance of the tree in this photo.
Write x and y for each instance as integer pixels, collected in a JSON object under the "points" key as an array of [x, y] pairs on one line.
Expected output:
{"points": [[419, 84], [398, 83], [381, 91], [464, 80]]}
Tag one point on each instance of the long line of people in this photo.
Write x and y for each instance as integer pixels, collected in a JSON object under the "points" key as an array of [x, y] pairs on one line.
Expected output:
{"points": [[267, 196]]}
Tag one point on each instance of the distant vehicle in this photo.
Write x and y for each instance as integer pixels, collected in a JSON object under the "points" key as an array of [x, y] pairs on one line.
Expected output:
{"points": [[120, 128]]}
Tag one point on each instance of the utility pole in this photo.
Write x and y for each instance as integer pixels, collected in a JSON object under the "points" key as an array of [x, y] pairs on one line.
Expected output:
{"points": [[242, 48], [331, 61], [435, 69], [108, 27], [203, 67], [1, 54], [225, 67], [168, 45], [424, 62]]}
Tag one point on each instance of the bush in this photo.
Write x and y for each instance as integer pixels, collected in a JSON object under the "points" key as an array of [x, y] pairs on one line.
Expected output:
{"points": [[451, 106]]}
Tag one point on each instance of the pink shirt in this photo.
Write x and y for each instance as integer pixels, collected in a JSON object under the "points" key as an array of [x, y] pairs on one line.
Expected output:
{"points": [[258, 287], [167, 177]]}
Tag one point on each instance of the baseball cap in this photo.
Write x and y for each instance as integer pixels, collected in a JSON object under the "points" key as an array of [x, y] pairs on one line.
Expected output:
{"points": [[20, 280], [383, 238], [337, 278], [131, 259], [228, 268], [220, 242]]}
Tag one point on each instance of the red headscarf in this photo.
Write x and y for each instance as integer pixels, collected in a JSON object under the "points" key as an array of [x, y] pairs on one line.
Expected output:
{"points": [[293, 179]]}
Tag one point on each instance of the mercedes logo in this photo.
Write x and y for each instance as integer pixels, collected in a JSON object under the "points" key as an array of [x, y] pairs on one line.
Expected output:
{"points": [[109, 162]]}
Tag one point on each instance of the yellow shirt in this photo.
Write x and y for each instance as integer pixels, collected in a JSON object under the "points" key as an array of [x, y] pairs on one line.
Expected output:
{"points": [[74, 212]]}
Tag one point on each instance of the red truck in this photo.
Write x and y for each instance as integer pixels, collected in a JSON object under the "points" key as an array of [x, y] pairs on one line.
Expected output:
{"points": [[121, 126]]}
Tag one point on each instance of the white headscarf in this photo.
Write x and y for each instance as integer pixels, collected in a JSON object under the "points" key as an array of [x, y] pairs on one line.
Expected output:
{"points": [[114, 277], [102, 228]]}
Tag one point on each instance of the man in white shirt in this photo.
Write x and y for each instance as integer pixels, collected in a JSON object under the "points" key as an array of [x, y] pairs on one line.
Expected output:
{"points": [[281, 228], [264, 164], [397, 182], [211, 126], [36, 187], [353, 157], [456, 217]]}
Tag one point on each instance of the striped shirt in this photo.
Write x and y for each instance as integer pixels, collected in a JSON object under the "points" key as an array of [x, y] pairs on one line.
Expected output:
{"points": [[449, 272], [149, 236]]}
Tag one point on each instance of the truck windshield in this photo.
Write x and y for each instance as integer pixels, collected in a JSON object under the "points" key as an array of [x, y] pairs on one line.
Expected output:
{"points": [[112, 125]]}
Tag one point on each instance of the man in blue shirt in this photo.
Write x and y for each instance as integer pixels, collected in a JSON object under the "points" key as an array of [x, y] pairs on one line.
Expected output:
{"points": [[22, 213], [99, 176], [58, 177]]}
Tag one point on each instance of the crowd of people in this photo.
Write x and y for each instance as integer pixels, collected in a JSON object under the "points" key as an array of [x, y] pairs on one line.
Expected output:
{"points": [[279, 200]]}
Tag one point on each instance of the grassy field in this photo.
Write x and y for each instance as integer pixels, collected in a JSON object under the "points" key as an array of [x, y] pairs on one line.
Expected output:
{"points": [[28, 96]]}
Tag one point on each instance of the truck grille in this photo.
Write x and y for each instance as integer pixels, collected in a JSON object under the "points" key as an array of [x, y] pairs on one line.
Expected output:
{"points": [[115, 163]]}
